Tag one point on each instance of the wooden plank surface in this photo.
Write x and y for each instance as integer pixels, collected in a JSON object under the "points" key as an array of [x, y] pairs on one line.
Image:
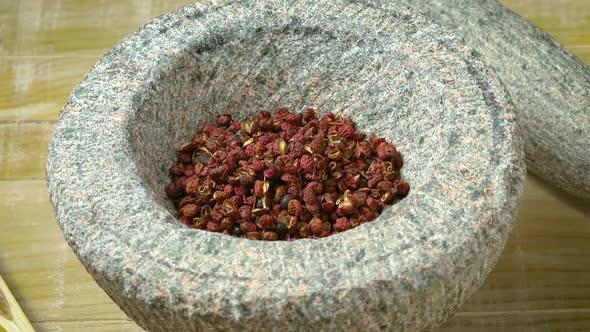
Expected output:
{"points": [[35, 88], [23, 147], [90, 326], [542, 281]]}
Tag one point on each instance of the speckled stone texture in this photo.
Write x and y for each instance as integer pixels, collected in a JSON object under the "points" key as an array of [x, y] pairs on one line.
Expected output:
{"points": [[395, 73], [550, 87]]}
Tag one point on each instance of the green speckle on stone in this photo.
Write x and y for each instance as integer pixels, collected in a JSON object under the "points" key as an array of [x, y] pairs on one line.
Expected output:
{"points": [[196, 77], [212, 74], [261, 79]]}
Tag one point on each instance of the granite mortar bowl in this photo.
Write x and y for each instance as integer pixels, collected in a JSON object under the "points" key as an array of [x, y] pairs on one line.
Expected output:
{"points": [[394, 72]]}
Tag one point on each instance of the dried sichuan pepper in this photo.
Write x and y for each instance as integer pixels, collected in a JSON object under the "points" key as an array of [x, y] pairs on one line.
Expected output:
{"points": [[284, 176]]}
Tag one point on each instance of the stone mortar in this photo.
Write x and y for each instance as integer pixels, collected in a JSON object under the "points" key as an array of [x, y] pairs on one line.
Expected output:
{"points": [[395, 73], [550, 87]]}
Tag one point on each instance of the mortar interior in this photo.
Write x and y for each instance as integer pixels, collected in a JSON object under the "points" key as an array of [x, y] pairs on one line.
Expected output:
{"points": [[269, 69]]}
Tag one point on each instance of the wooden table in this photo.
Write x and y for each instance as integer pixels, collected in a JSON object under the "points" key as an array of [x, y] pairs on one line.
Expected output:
{"points": [[542, 281]]}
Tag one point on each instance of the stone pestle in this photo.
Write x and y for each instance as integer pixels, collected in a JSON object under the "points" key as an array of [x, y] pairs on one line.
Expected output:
{"points": [[549, 86]]}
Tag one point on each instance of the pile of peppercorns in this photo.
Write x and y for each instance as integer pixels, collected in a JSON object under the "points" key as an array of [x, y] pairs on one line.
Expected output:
{"points": [[284, 176]]}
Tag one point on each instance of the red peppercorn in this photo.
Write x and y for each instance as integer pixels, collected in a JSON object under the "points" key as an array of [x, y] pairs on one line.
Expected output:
{"points": [[342, 224], [185, 200], [316, 225], [388, 197], [317, 145], [270, 236], [359, 198], [304, 230], [227, 223], [293, 229], [187, 147], [342, 187], [189, 210], [248, 227], [391, 176], [384, 186], [245, 212], [293, 190], [316, 187], [328, 207], [271, 172], [200, 223], [283, 176], [298, 138], [216, 215], [254, 235], [228, 189], [305, 216], [259, 188], [189, 172], [306, 163], [174, 190], [185, 158], [294, 207], [234, 127], [386, 151], [218, 173], [237, 200], [368, 213], [375, 204], [223, 120], [214, 227], [249, 200], [398, 161], [309, 195], [239, 190], [346, 131], [192, 187], [292, 169], [373, 181], [176, 170], [264, 115], [267, 221], [257, 165], [402, 188], [313, 209], [289, 178], [308, 115], [293, 119], [185, 220]]}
